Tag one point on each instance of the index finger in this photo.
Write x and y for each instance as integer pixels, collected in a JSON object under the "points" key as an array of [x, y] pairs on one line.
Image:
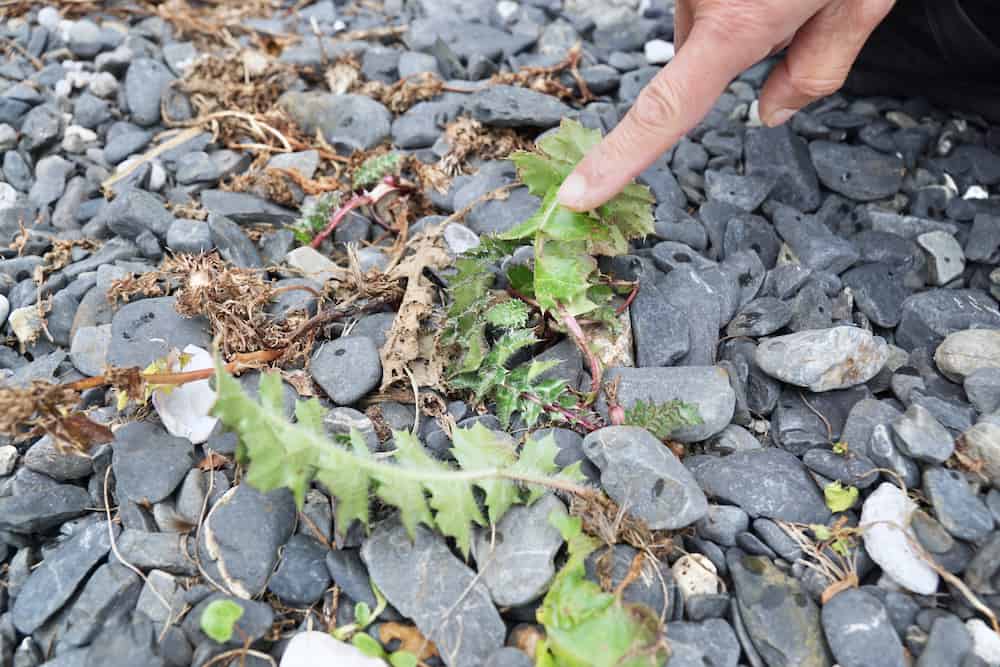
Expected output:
{"points": [[671, 104]]}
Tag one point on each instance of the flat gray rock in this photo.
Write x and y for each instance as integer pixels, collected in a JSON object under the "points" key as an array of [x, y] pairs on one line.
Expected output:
{"points": [[920, 436], [859, 631], [349, 122], [965, 352], [39, 510], [782, 620], [705, 387], [514, 106], [823, 359], [857, 172], [52, 583], [112, 588], [641, 473], [928, 317], [148, 462], [516, 558], [766, 482], [427, 583], [347, 368], [146, 330]]}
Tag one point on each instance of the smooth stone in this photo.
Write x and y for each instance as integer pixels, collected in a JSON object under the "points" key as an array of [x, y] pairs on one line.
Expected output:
{"points": [[695, 574], [146, 82], [824, 359], [760, 317], [983, 443], [744, 192], [256, 619], [301, 577], [956, 506], [160, 584], [312, 647], [658, 51], [812, 242], [110, 589], [51, 584], [136, 211], [857, 172], [515, 559], [790, 495], [162, 551], [985, 641], [982, 387], [313, 265], [948, 643], [89, 349], [513, 106], [659, 329], [878, 292], [945, 259], [51, 173], [884, 453], [639, 472], [41, 509], [653, 587], [887, 537], [233, 244], [706, 387], [919, 435], [928, 317], [781, 619], [443, 596], [349, 122], [712, 641], [243, 534], [48, 457], [189, 236], [347, 368], [244, 208], [964, 352], [859, 631], [851, 469], [722, 523], [148, 462]]}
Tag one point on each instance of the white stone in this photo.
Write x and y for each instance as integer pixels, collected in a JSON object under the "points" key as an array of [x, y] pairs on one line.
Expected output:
{"points": [[26, 324], [964, 352], [823, 359], [48, 18], [983, 443], [313, 265], [4, 309], [976, 192], [506, 9], [945, 259], [889, 540], [658, 51], [76, 139], [695, 574], [63, 88], [103, 84], [312, 648], [460, 238], [985, 642], [184, 410], [753, 115], [157, 176], [8, 459]]}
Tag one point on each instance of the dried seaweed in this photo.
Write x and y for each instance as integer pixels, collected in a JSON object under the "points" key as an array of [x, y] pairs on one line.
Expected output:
{"points": [[470, 140], [44, 407], [547, 79]]}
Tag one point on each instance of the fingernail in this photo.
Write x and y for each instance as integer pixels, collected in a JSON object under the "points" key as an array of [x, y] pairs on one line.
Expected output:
{"points": [[780, 116], [572, 191]]}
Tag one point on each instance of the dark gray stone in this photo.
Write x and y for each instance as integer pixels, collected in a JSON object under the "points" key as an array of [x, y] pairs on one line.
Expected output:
{"points": [[348, 122], [982, 387], [850, 469], [745, 192], [148, 462], [124, 144], [779, 151], [760, 317], [243, 534], [859, 631], [146, 82], [638, 472], [714, 639], [126, 644], [878, 291], [812, 242], [145, 550], [857, 172], [54, 581], [233, 244], [790, 495], [919, 435], [49, 458], [37, 510], [244, 208], [347, 368], [929, 316], [136, 211], [722, 523], [655, 589], [957, 507], [427, 583], [513, 106], [256, 620], [660, 330], [782, 621], [112, 589], [949, 643], [301, 577], [189, 236]]}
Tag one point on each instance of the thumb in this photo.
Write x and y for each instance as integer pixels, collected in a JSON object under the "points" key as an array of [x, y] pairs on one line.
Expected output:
{"points": [[674, 101]]}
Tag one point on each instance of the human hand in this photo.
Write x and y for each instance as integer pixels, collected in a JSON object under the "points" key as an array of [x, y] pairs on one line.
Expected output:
{"points": [[716, 40]]}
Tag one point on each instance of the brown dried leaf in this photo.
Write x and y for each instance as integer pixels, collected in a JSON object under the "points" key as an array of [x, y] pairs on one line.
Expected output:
{"points": [[213, 461], [410, 639], [410, 344]]}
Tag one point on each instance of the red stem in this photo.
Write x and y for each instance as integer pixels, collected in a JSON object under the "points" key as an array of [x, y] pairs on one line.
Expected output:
{"points": [[628, 301], [338, 217], [596, 372], [568, 414]]}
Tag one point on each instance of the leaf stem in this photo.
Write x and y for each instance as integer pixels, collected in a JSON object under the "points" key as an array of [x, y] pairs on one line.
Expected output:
{"points": [[569, 415], [338, 217], [580, 338]]}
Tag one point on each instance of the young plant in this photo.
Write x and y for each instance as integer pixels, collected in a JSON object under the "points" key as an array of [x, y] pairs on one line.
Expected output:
{"points": [[315, 217], [281, 453], [662, 419], [219, 619], [565, 279], [588, 627], [374, 169]]}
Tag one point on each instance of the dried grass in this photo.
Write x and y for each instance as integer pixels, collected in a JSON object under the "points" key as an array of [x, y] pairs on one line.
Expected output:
{"points": [[46, 408], [469, 139]]}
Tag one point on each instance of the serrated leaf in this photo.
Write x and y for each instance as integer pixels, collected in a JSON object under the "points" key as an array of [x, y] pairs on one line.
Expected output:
{"points": [[374, 169], [522, 280], [559, 223], [508, 345], [662, 419], [477, 448], [508, 314], [537, 459], [570, 143], [352, 485], [538, 172], [840, 498], [562, 271], [218, 619]]}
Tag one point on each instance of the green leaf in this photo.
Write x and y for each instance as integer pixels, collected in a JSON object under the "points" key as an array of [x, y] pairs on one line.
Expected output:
{"points": [[559, 223], [840, 448], [821, 532], [218, 620], [538, 172], [538, 458], [662, 419], [477, 448], [509, 314], [570, 143], [522, 280], [403, 659], [374, 169], [367, 645], [562, 271], [362, 614], [840, 498], [586, 626], [423, 489]]}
